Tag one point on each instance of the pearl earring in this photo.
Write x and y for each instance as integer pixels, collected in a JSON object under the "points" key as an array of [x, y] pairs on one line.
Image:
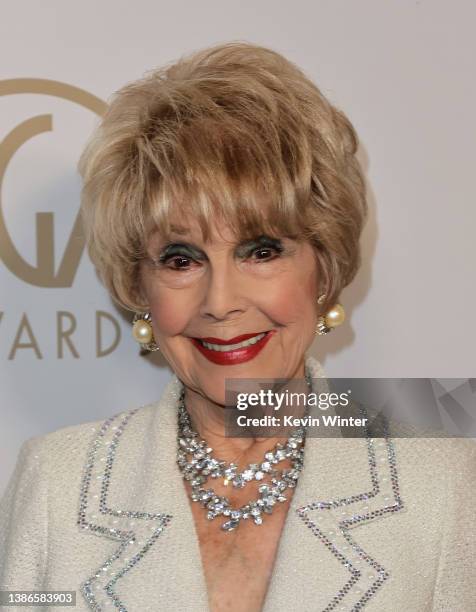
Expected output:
{"points": [[142, 331], [333, 318]]}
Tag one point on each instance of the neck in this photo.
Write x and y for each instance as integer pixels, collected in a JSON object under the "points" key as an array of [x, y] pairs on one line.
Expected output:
{"points": [[208, 420]]}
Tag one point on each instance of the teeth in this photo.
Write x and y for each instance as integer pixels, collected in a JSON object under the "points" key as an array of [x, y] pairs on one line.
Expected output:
{"points": [[231, 347]]}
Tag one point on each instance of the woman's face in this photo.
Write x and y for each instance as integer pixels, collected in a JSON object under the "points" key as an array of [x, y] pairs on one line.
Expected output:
{"points": [[221, 290]]}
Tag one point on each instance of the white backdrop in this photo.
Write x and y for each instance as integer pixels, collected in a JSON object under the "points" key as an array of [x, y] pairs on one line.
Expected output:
{"points": [[404, 74]]}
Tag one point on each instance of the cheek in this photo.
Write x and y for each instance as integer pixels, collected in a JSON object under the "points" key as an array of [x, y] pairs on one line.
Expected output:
{"points": [[170, 310], [293, 299]]}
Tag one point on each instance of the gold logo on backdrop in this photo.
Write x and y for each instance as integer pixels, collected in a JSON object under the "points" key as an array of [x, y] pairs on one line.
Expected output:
{"points": [[43, 274]]}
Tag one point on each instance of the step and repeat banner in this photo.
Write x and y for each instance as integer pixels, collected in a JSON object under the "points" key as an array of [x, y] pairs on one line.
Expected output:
{"points": [[401, 71]]}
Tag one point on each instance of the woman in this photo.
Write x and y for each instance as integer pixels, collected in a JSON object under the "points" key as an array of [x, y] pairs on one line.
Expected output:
{"points": [[223, 204]]}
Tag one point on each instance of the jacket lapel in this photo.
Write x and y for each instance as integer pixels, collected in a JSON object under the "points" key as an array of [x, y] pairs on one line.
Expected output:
{"points": [[346, 483], [150, 520]]}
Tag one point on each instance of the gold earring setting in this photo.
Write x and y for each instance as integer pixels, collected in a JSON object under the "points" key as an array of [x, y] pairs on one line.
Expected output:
{"points": [[333, 317], [142, 331]]}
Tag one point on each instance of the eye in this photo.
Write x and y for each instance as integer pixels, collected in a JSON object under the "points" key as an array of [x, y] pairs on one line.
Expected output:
{"points": [[176, 262], [266, 253]]}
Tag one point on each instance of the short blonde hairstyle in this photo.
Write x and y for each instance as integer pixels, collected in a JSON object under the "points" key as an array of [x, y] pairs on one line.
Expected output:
{"points": [[237, 132]]}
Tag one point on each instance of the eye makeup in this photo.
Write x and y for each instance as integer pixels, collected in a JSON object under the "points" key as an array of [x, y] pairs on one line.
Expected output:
{"points": [[243, 250], [179, 248]]}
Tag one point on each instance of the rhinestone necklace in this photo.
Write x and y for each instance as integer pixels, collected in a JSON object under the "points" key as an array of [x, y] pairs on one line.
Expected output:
{"points": [[197, 464]]}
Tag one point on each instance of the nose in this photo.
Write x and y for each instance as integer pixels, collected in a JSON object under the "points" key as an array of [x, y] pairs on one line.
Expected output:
{"points": [[223, 293]]}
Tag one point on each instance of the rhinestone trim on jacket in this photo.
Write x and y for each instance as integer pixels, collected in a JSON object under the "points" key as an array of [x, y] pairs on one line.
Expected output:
{"points": [[333, 520], [330, 522], [135, 542]]}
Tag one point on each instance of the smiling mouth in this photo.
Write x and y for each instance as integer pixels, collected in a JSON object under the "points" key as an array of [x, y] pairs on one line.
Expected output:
{"points": [[235, 350], [221, 348]]}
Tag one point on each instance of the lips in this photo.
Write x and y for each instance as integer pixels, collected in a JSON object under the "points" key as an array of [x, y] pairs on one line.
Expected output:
{"points": [[235, 355]]}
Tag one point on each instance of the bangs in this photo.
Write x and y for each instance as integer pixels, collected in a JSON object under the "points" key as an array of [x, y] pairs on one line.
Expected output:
{"points": [[241, 207], [234, 176]]}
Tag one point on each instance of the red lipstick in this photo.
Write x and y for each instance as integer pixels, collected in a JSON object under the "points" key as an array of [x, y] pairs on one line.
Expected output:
{"points": [[232, 357]]}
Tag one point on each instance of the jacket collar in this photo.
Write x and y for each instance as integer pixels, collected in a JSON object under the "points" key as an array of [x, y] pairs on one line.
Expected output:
{"points": [[345, 483]]}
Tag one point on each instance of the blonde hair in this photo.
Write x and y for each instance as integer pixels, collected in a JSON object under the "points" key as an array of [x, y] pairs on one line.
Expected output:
{"points": [[235, 131]]}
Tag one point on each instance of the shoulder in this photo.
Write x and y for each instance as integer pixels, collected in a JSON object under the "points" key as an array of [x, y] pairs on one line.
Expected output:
{"points": [[457, 456], [52, 461], [442, 469], [454, 454], [50, 467], [68, 442], [64, 450], [426, 454]]}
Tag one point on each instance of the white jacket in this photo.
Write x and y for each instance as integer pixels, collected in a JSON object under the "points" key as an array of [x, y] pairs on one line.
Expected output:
{"points": [[375, 524]]}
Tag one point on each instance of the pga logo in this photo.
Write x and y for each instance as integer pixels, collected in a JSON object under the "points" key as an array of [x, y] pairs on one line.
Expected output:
{"points": [[46, 273]]}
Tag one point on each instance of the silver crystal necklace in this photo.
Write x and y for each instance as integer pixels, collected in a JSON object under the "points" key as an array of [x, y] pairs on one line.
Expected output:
{"points": [[197, 464]]}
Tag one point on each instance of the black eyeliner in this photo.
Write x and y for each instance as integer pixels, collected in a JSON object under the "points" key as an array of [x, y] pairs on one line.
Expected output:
{"points": [[261, 241], [179, 249]]}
